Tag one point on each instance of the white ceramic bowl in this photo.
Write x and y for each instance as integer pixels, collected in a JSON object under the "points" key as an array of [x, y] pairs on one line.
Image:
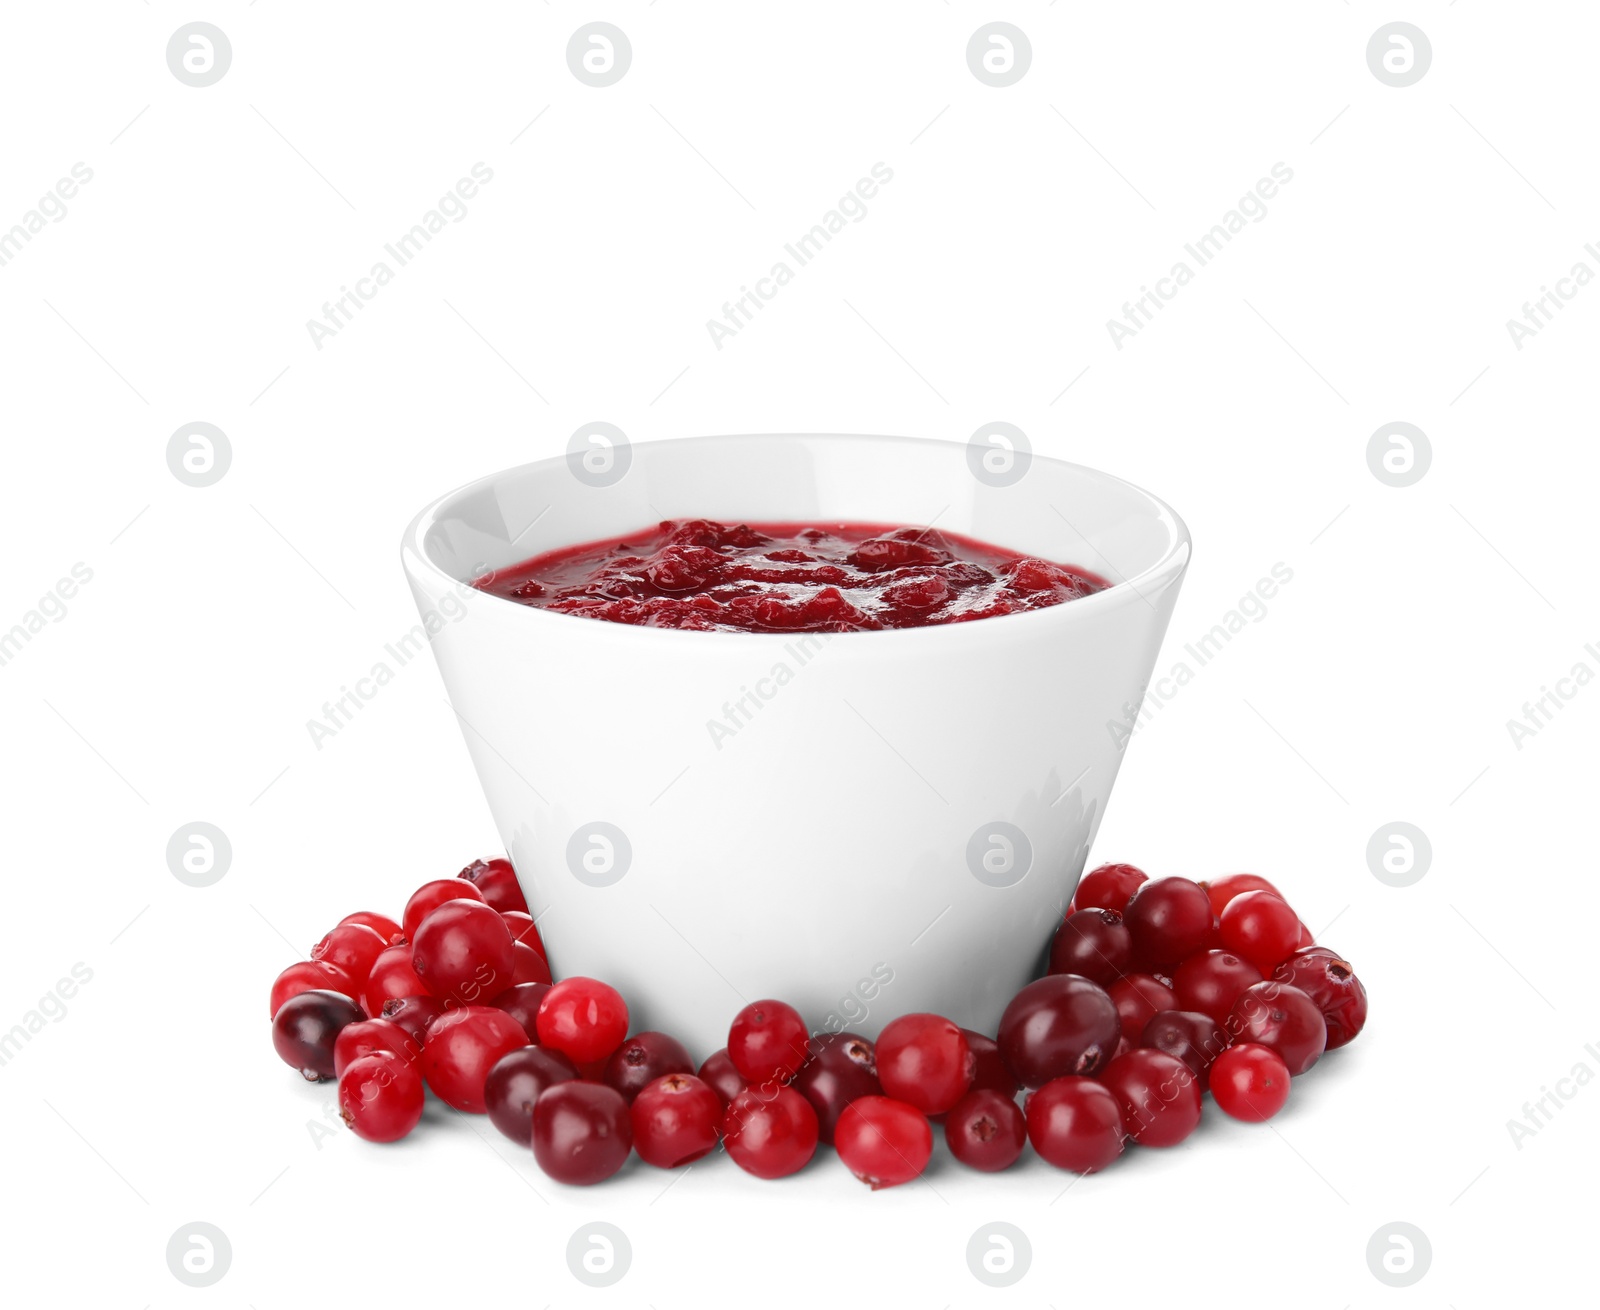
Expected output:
{"points": [[864, 825]]}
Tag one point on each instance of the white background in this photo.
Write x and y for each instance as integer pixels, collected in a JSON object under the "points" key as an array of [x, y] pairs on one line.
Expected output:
{"points": [[178, 684]]}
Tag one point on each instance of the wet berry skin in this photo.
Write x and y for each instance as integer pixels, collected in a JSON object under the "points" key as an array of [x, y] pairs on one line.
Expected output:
{"points": [[1196, 1039], [381, 924], [306, 1027], [1093, 943], [1109, 887], [1222, 890], [675, 1120], [583, 1018], [582, 1132], [311, 976], [352, 947], [1250, 1082], [462, 1046], [430, 896], [1075, 1124], [767, 1042], [1139, 998], [1169, 919], [522, 1004], [496, 882], [641, 1060], [1158, 1094], [1057, 1026], [770, 1134], [413, 1013], [883, 1142], [462, 951], [392, 977], [1211, 981], [986, 1130], [717, 1073], [516, 1082], [1284, 1018], [1333, 987], [924, 1060], [842, 1068], [381, 1097], [372, 1037], [1261, 927], [989, 1071]]}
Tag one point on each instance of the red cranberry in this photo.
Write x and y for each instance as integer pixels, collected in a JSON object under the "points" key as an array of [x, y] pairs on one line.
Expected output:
{"points": [[522, 1004], [582, 1132], [528, 966], [883, 1142], [675, 1120], [1059, 1025], [1109, 887], [989, 1070], [1250, 1082], [642, 1059], [352, 947], [371, 1037], [1159, 1096], [924, 1060], [720, 1076], [430, 896], [1305, 938], [462, 1046], [523, 929], [583, 1018], [1138, 998], [1170, 919], [1222, 890], [381, 924], [462, 952], [1284, 1018], [497, 882], [1211, 982], [305, 1028], [1075, 1123], [986, 1130], [516, 1081], [1093, 943], [767, 1042], [1261, 927], [1332, 986], [1196, 1039], [770, 1133], [842, 1068], [380, 1097], [392, 978], [415, 1014], [311, 976]]}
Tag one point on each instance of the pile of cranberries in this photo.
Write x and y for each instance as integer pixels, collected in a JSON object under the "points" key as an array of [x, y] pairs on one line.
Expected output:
{"points": [[1159, 990]]}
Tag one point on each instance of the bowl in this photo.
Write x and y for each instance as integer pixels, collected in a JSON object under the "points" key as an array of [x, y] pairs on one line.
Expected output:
{"points": [[863, 824]]}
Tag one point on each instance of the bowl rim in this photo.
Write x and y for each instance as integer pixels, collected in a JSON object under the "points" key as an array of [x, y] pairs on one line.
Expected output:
{"points": [[1172, 561]]}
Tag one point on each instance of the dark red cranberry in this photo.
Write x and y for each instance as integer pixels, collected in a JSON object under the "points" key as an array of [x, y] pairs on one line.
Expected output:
{"points": [[497, 882], [306, 1027], [1211, 981], [1333, 987], [1138, 998], [1261, 927], [642, 1059], [1159, 1096], [675, 1120], [430, 896], [1170, 919], [516, 1081], [352, 947], [528, 966], [1093, 943], [883, 1142], [986, 1130], [371, 1037], [1196, 1039], [522, 1004], [583, 1018], [1075, 1123], [1284, 1018], [767, 1042], [770, 1133], [462, 952], [462, 1046], [392, 977], [842, 1068], [582, 1132], [1109, 887], [415, 1014], [720, 1076], [381, 1097], [524, 930], [924, 1060], [989, 1070], [1222, 890], [1059, 1025], [311, 976]]}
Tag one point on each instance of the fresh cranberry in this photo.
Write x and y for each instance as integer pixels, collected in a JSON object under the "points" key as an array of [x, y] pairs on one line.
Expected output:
{"points": [[463, 953], [381, 1097], [675, 1120], [767, 1042], [496, 880], [842, 1068], [1159, 1096], [989, 1070], [720, 1076], [582, 1132], [1138, 998], [770, 1133], [1058, 1025], [1075, 1123], [1261, 927], [311, 976], [1109, 887], [306, 1027], [516, 1081], [1093, 943], [1305, 938], [524, 930], [381, 924], [1211, 981], [1250, 1082], [528, 966], [522, 1004], [1332, 986], [882, 1141], [1196, 1039], [392, 978], [1170, 919], [371, 1037], [986, 1130], [924, 1060], [642, 1059], [1284, 1018], [415, 1014], [462, 1047], [1222, 890], [583, 1018], [430, 896], [352, 947]]}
